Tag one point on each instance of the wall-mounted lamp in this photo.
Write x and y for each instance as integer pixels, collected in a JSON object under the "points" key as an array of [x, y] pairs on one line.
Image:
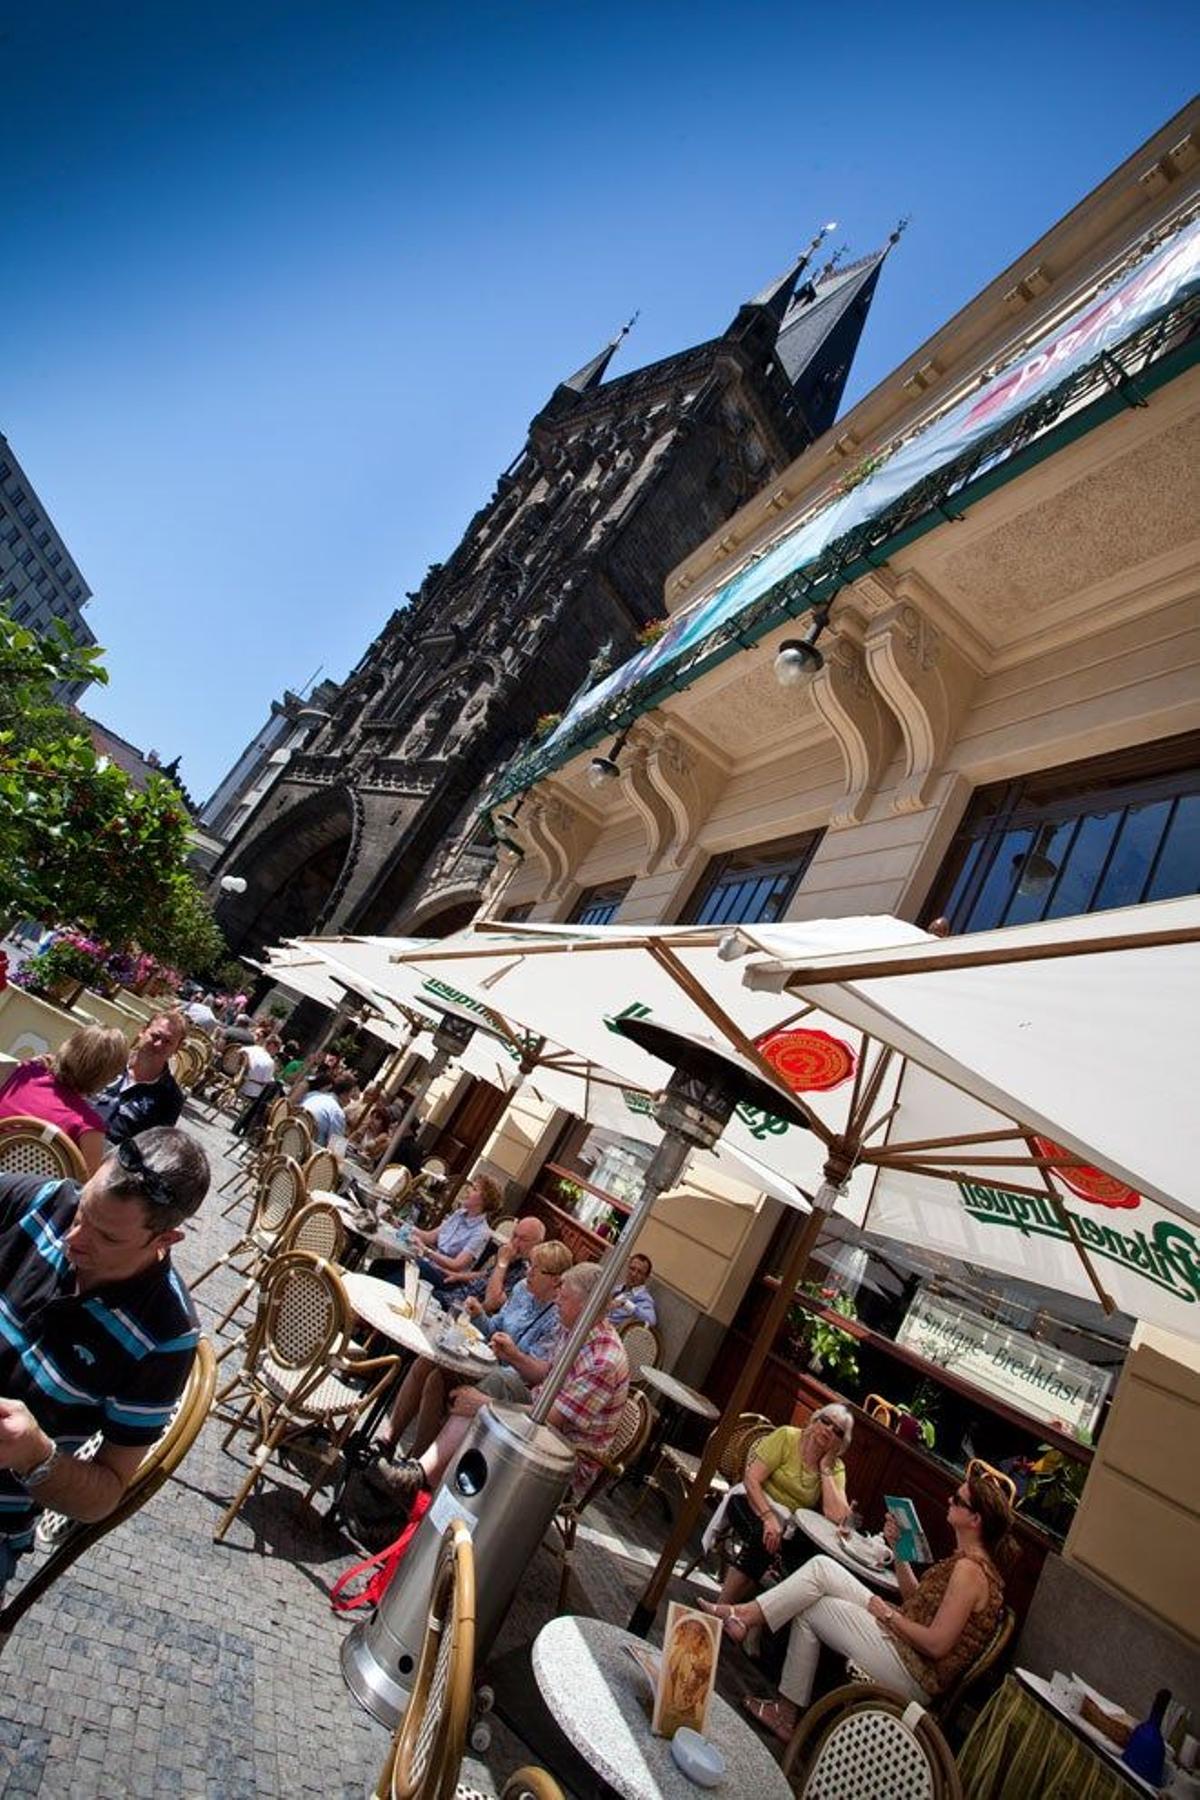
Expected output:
{"points": [[797, 660], [1038, 872], [603, 769], [233, 884]]}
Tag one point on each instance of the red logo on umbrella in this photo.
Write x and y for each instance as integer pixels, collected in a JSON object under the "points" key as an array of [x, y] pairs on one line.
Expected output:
{"points": [[810, 1062], [1090, 1184]]}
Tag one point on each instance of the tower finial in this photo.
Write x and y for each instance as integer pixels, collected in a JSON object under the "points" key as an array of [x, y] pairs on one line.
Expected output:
{"points": [[902, 226]]}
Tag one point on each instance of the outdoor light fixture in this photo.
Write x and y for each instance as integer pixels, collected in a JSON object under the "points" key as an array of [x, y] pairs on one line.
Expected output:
{"points": [[233, 884], [603, 769], [1038, 872], [797, 660], [506, 819]]}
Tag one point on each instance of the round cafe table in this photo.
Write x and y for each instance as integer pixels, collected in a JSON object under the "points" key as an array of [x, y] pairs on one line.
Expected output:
{"points": [[599, 1699], [677, 1398], [377, 1303], [823, 1533]]}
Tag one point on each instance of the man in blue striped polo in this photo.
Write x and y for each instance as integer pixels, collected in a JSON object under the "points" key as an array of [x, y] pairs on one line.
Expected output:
{"points": [[97, 1331]]}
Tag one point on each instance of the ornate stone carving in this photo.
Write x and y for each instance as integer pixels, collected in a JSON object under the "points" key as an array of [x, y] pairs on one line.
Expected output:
{"points": [[687, 780], [925, 680], [862, 726], [559, 833], [642, 794]]}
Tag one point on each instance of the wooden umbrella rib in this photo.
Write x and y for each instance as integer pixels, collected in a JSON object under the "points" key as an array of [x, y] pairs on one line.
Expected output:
{"points": [[684, 978], [1072, 1230], [963, 1137], [874, 970]]}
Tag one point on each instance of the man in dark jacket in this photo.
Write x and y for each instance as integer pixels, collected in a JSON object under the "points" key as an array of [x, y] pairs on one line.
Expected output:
{"points": [[145, 1093]]}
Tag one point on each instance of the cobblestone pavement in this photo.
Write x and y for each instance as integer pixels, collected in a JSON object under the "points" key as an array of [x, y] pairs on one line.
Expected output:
{"points": [[165, 1664]]}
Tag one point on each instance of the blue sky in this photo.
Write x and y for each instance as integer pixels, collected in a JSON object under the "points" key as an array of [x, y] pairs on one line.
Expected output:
{"points": [[284, 281]]}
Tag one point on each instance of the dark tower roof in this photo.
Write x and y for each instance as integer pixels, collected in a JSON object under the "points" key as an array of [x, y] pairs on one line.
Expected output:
{"points": [[820, 331], [592, 373]]}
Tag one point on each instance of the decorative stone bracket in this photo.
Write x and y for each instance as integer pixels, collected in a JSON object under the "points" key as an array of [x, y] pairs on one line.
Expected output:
{"points": [[862, 726], [560, 832], [671, 782], [925, 678]]}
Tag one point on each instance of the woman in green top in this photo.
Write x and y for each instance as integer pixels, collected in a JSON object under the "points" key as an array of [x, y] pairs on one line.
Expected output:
{"points": [[796, 1466]]}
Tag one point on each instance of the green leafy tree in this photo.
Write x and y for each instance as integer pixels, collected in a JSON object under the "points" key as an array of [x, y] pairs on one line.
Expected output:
{"points": [[79, 843]]}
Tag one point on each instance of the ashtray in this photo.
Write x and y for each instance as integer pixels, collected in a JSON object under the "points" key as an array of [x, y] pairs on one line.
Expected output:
{"points": [[700, 1760]]}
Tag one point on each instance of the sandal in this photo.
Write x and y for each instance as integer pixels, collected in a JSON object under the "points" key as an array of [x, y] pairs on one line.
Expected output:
{"points": [[770, 1715], [734, 1627]]}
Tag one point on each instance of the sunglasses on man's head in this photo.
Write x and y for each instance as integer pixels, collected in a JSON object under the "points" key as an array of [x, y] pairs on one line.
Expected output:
{"points": [[155, 1186]]}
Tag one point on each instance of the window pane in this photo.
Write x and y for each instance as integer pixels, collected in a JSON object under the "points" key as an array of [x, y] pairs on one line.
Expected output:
{"points": [[1025, 908], [1126, 875], [1000, 883], [970, 860], [1178, 870], [1077, 883]]}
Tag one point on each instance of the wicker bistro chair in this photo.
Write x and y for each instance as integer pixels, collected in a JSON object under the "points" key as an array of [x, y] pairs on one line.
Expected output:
{"points": [[186, 1065], [427, 1750], [750, 1430], [643, 1347], [986, 1472], [884, 1412], [317, 1229], [280, 1195], [158, 1465], [301, 1369], [288, 1136], [946, 1707], [395, 1181], [228, 1073], [30, 1146], [322, 1172], [628, 1443], [861, 1742]]}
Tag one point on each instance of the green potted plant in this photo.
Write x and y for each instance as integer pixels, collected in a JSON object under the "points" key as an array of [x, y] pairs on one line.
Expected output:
{"points": [[828, 1351]]}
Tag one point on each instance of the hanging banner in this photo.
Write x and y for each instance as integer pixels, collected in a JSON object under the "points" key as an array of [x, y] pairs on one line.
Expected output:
{"points": [[1036, 1378], [1159, 282]]}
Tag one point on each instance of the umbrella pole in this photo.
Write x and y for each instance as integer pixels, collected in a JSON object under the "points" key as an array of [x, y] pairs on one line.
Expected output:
{"points": [[437, 1063], [662, 1173], [793, 1272]]}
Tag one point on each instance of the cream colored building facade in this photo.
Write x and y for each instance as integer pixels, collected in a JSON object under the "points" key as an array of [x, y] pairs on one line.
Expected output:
{"points": [[1055, 622]]}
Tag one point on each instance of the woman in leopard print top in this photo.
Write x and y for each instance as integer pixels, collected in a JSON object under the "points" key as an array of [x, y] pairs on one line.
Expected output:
{"points": [[917, 1648]]}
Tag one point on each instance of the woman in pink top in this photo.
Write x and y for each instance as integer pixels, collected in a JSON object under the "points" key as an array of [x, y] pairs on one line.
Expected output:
{"points": [[53, 1088]]}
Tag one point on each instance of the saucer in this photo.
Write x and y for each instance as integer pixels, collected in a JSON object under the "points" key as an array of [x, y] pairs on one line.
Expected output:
{"points": [[700, 1760]]}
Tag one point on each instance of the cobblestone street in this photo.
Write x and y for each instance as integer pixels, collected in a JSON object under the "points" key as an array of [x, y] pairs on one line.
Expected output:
{"points": [[165, 1664]]}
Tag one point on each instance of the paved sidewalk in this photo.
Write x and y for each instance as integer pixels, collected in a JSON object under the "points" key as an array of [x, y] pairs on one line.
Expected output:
{"points": [[165, 1664]]}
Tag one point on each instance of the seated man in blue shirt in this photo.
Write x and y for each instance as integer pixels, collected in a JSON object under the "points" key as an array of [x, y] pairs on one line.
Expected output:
{"points": [[634, 1300], [523, 1334], [493, 1280], [98, 1333]]}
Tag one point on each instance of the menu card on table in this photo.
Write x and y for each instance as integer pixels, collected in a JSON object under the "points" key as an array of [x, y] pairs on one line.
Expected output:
{"points": [[912, 1546], [687, 1671]]}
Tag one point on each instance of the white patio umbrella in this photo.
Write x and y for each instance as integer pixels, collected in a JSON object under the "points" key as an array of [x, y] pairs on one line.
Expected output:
{"points": [[861, 1121], [313, 979]]}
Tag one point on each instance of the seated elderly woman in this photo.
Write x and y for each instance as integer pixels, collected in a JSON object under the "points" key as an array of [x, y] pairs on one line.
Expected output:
{"points": [[54, 1088], [523, 1334], [794, 1467], [458, 1242], [919, 1648]]}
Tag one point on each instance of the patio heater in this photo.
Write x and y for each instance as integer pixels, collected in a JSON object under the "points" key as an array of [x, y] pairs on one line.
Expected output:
{"points": [[513, 1469], [450, 1039]]}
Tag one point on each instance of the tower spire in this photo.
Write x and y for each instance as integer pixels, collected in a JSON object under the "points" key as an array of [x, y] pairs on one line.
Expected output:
{"points": [[592, 373], [776, 297]]}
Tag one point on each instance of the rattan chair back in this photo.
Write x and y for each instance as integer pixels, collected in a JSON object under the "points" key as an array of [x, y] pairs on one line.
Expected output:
{"points": [[884, 1412], [395, 1180], [947, 1704], [305, 1319], [863, 1741], [428, 1748], [232, 1062], [158, 1465], [281, 1192], [292, 1137], [317, 1228], [322, 1171], [750, 1429], [277, 1111], [30, 1146], [985, 1472], [643, 1347], [187, 1065]]}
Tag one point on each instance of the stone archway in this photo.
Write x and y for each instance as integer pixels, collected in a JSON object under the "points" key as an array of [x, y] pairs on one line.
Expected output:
{"points": [[294, 870]]}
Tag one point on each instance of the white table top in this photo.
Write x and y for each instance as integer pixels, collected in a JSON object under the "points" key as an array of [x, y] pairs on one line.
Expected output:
{"points": [[599, 1698], [680, 1393], [377, 1302], [382, 1239], [823, 1532]]}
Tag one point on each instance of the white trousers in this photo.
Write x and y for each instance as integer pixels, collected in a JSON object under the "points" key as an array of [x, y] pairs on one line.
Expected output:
{"points": [[828, 1605]]}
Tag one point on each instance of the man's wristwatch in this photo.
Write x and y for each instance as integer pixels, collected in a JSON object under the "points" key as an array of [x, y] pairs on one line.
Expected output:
{"points": [[33, 1478]]}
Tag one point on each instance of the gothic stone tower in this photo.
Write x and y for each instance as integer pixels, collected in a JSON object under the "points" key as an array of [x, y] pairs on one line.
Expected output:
{"points": [[370, 827]]}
